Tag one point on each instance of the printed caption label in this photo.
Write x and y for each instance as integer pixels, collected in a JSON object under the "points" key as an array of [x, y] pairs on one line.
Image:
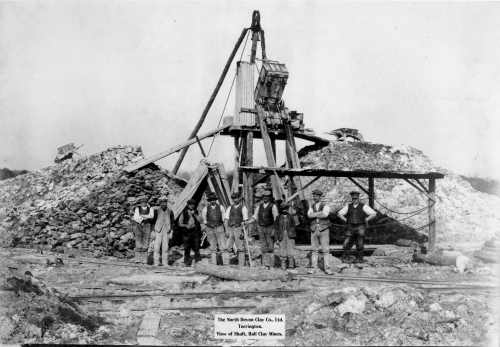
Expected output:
{"points": [[249, 326]]}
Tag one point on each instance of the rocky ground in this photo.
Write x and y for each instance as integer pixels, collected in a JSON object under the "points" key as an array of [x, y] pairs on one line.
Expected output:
{"points": [[79, 210], [326, 312]]}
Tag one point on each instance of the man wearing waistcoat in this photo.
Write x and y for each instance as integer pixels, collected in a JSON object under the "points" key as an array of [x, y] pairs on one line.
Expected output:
{"points": [[236, 215], [213, 218], [163, 230], [143, 215], [265, 214], [320, 228], [357, 216]]}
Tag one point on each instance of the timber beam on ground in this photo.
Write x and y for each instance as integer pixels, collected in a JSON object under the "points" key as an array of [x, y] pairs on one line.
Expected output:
{"points": [[227, 293], [342, 173]]}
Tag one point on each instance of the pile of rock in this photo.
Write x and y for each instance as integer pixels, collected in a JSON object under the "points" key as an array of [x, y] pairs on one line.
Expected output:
{"points": [[490, 252], [81, 203], [464, 215]]}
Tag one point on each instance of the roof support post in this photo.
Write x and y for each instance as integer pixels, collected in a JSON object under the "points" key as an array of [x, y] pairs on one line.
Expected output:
{"points": [[431, 206], [371, 192]]}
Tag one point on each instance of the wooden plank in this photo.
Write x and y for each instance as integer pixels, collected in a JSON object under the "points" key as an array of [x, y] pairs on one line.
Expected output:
{"points": [[294, 157], [237, 160], [269, 152], [244, 99], [248, 177], [432, 214], [241, 274], [371, 192], [149, 325], [198, 176], [225, 183], [174, 149], [341, 173]]}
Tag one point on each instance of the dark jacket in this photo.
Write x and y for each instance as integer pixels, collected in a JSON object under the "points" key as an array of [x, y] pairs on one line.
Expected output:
{"points": [[183, 220]]}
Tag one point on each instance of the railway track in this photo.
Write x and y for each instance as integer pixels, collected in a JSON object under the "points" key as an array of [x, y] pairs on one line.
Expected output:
{"points": [[442, 283], [201, 294]]}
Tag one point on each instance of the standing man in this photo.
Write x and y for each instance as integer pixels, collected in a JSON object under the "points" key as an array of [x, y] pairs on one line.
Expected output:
{"points": [[190, 224], [143, 215], [235, 216], [357, 216], [265, 214], [320, 229], [213, 218], [285, 234], [163, 228]]}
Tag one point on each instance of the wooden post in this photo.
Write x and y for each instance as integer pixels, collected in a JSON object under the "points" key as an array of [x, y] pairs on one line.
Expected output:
{"points": [[431, 203], [237, 160], [247, 154], [273, 146], [293, 157], [271, 162], [212, 98], [371, 192]]}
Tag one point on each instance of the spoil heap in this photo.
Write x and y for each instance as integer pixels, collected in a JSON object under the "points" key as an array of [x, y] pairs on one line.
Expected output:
{"points": [[80, 203], [465, 216]]}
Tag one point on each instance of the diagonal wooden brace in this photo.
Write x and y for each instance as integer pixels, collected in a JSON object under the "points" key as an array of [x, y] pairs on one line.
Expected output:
{"points": [[359, 185]]}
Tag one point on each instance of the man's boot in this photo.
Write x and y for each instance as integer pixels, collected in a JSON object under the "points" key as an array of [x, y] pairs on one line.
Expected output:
{"points": [[359, 257], [225, 258], [241, 258], [326, 263], [291, 262], [314, 260], [213, 258], [283, 263]]}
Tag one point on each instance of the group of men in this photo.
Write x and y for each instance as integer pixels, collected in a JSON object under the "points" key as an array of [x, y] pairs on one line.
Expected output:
{"points": [[226, 229]]}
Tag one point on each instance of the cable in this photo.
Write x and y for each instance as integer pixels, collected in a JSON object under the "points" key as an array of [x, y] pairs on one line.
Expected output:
{"points": [[228, 95], [398, 212]]}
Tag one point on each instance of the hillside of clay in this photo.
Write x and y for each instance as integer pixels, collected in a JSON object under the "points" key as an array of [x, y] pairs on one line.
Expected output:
{"points": [[465, 217], [80, 203]]}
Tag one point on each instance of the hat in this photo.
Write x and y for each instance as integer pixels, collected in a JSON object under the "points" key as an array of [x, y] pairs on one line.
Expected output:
{"points": [[317, 192], [211, 196], [284, 206], [235, 195], [191, 202], [354, 193], [267, 193]]}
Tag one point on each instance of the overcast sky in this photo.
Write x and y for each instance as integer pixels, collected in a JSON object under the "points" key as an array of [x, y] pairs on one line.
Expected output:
{"points": [[103, 73]]}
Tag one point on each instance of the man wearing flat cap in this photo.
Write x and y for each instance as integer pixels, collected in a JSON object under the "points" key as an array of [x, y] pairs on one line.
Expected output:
{"points": [[163, 231], [190, 224], [235, 216], [213, 218], [356, 215], [143, 216], [265, 214], [320, 228]]}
